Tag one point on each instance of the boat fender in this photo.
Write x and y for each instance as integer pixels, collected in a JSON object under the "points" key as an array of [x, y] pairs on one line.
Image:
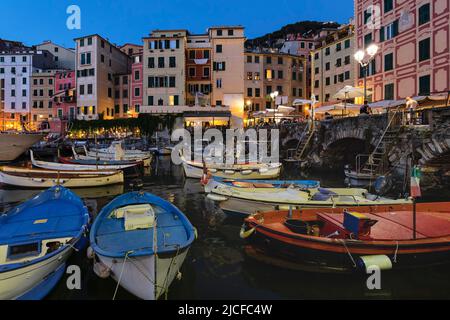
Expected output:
{"points": [[216, 197], [246, 172], [90, 253], [38, 180], [263, 170], [101, 270], [230, 172], [245, 234], [213, 170], [383, 262], [179, 276], [195, 233]]}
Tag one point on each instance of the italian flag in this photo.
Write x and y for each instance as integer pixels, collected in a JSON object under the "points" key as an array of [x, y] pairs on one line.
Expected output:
{"points": [[415, 182]]}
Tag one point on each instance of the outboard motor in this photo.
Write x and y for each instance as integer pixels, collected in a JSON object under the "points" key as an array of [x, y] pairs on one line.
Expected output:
{"points": [[136, 185]]}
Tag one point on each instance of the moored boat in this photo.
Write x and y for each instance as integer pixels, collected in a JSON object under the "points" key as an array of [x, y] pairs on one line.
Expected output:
{"points": [[127, 248], [78, 167], [36, 239], [257, 171], [12, 144], [347, 240], [248, 200], [117, 154], [40, 178]]}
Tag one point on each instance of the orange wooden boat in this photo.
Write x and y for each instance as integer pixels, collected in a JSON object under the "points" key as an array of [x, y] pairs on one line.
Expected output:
{"points": [[346, 240]]}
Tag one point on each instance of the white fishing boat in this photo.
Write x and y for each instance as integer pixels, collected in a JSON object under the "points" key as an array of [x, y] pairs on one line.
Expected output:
{"points": [[255, 171], [13, 144], [141, 241], [78, 167], [115, 152], [245, 200], [36, 239], [40, 178]]}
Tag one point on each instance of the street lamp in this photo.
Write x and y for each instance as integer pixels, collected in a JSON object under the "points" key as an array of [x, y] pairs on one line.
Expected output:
{"points": [[274, 96], [364, 58]]}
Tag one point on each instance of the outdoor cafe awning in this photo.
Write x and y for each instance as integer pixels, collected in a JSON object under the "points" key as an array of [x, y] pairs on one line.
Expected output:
{"points": [[207, 116]]}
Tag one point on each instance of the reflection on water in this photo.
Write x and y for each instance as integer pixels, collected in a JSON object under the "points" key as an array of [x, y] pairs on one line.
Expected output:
{"points": [[217, 267]]}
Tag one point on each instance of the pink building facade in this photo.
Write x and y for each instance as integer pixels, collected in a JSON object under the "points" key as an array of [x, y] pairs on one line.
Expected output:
{"points": [[414, 41], [65, 96], [137, 81]]}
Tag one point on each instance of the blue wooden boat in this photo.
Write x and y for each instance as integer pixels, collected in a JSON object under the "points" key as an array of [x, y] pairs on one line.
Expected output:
{"points": [[36, 239], [128, 249], [302, 184]]}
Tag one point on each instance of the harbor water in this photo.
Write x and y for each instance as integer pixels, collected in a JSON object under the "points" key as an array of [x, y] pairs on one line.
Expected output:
{"points": [[217, 267]]}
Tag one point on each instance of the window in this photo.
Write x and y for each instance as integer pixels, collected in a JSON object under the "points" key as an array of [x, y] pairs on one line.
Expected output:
{"points": [[327, 81], [257, 59], [280, 74], [424, 49], [388, 32], [249, 59], [89, 42], [219, 33], [249, 92], [191, 72], [172, 82], [268, 90], [219, 48], [219, 66], [424, 85], [249, 75], [102, 58], [192, 54], [13, 93], [316, 71], [347, 75], [389, 62], [150, 100], [367, 15], [219, 83], [338, 47], [137, 75], [257, 92], [205, 54], [389, 91], [269, 60], [172, 62], [13, 81], [347, 44], [151, 62], [81, 89], [424, 14], [23, 251], [280, 60], [89, 89], [388, 5], [206, 72], [327, 51], [125, 94], [231, 32], [161, 62], [137, 92], [339, 62], [257, 76], [316, 84], [347, 60], [368, 39], [109, 93]]}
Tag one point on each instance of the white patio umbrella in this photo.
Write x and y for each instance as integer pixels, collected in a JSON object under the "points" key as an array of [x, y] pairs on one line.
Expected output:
{"points": [[348, 92], [284, 109]]}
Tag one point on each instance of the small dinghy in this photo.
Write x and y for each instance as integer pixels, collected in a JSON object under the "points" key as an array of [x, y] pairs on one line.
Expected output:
{"points": [[36, 239], [302, 184], [79, 167], [40, 178], [127, 248], [352, 239]]}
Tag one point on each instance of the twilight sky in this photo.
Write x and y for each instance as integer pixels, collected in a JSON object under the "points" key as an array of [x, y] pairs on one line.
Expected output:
{"points": [[122, 21]]}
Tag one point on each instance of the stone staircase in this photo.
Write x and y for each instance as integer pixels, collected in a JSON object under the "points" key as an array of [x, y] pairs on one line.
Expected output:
{"points": [[298, 154]]}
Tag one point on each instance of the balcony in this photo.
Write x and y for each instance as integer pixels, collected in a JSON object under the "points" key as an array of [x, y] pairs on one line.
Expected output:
{"points": [[181, 109]]}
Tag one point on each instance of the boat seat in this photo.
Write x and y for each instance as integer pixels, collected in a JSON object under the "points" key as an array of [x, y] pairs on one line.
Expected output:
{"points": [[331, 225]]}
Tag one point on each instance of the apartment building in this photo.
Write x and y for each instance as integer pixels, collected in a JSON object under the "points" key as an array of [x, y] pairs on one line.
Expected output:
{"points": [[122, 85], [227, 43], [267, 72], [198, 70], [414, 40], [64, 99], [97, 63], [64, 58], [16, 68], [42, 94], [332, 63], [137, 82], [164, 68]]}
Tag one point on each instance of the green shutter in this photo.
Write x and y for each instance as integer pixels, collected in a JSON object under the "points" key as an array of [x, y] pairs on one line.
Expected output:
{"points": [[382, 34], [395, 26]]}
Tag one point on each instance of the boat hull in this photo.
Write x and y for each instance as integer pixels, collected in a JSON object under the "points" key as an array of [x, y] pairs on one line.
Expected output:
{"points": [[146, 162], [35, 281], [13, 145], [137, 274], [196, 172], [282, 251], [43, 180]]}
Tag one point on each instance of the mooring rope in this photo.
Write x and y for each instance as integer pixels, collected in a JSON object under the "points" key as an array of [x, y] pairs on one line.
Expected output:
{"points": [[349, 254], [121, 273]]}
